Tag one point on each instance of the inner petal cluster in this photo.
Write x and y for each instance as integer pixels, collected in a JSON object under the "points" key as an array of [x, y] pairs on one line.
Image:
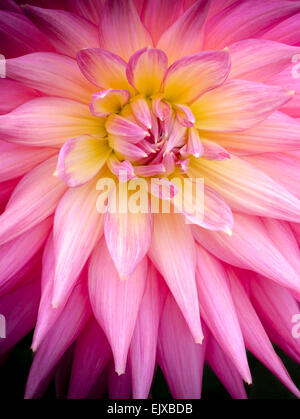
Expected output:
{"points": [[146, 123]]}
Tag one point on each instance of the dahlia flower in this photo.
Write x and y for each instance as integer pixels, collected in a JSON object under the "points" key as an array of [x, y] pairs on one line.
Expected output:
{"points": [[130, 91]]}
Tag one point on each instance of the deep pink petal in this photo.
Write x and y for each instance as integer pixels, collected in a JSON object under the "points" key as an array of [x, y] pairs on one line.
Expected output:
{"points": [[34, 199], [159, 15], [225, 370], [91, 355], [67, 32], [123, 297], [185, 36], [256, 339], [218, 310], [121, 30], [13, 94], [249, 18], [65, 331], [238, 105]]}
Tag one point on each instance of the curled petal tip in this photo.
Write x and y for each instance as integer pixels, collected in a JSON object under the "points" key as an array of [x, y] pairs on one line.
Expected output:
{"points": [[291, 93], [55, 174]]}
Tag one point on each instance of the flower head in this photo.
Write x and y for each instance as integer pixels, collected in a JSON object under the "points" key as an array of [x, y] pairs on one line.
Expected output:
{"points": [[111, 113]]}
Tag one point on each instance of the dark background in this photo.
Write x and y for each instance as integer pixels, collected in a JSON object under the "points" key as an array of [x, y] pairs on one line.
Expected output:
{"points": [[14, 370]]}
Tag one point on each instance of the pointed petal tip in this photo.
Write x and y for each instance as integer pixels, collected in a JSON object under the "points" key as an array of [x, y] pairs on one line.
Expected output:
{"points": [[120, 372], [33, 347], [248, 379], [228, 231], [199, 340]]}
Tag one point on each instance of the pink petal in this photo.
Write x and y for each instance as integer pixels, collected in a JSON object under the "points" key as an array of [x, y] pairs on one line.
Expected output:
{"points": [[212, 151], [184, 115], [289, 79], [144, 340], [180, 358], [52, 74], [251, 191], [66, 330], [281, 167], [194, 144], [125, 148], [119, 386], [92, 354], [10, 5], [149, 170], [218, 311], [89, 9], [67, 32], [281, 232], [146, 70], [185, 36], [20, 316], [192, 76], [225, 369], [250, 247], [286, 31], [48, 121], [256, 339], [108, 101], [77, 228], [6, 189], [47, 316], [173, 253], [34, 199], [16, 253], [246, 19], [201, 205], [29, 272], [121, 30], [121, 169], [159, 15], [128, 236], [278, 132], [267, 297], [103, 68], [119, 126], [13, 94], [17, 160], [141, 111], [237, 105], [258, 59], [160, 108], [123, 298], [80, 159]]}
